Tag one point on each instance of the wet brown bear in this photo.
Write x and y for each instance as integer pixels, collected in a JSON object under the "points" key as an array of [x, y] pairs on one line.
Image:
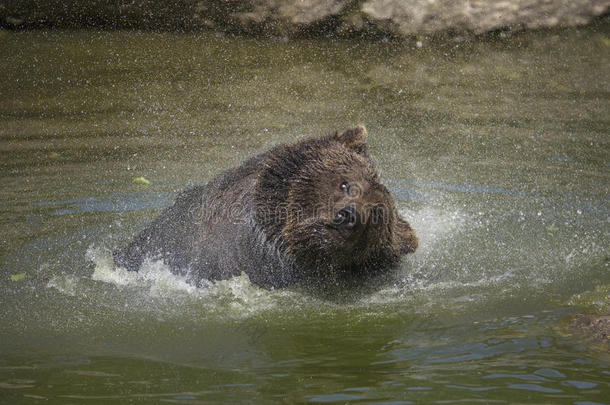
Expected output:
{"points": [[310, 212]]}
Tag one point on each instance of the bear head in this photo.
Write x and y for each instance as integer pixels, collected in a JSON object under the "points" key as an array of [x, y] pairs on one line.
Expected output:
{"points": [[321, 201]]}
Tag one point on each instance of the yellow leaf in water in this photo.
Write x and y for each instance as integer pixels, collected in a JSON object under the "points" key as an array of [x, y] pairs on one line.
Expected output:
{"points": [[142, 181], [17, 277]]}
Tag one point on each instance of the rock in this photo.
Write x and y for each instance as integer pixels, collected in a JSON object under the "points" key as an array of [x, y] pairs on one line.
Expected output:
{"points": [[412, 17], [593, 327], [297, 17], [288, 17], [295, 12]]}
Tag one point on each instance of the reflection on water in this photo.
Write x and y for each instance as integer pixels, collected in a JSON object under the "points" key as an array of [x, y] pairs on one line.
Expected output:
{"points": [[497, 151]]}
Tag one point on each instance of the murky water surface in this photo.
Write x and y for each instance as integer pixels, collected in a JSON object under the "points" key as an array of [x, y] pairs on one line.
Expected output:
{"points": [[497, 151]]}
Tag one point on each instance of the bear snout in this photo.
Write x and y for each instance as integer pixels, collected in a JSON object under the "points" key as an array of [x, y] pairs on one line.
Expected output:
{"points": [[347, 217]]}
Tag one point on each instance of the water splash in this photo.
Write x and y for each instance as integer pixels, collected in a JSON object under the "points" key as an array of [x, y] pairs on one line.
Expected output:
{"points": [[154, 275], [155, 288], [466, 258]]}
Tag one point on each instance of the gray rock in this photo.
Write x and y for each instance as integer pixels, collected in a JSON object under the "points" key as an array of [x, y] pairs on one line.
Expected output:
{"points": [[412, 17], [295, 17], [297, 12], [273, 17]]}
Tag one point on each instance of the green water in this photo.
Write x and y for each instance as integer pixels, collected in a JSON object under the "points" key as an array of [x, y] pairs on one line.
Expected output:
{"points": [[496, 150]]}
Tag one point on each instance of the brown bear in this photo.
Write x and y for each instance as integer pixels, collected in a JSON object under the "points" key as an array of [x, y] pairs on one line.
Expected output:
{"points": [[310, 212]]}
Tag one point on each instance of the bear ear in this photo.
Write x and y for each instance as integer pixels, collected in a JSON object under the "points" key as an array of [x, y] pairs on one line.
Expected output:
{"points": [[354, 138]]}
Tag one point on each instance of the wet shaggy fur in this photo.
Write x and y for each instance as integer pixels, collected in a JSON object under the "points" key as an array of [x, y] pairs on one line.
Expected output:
{"points": [[311, 212]]}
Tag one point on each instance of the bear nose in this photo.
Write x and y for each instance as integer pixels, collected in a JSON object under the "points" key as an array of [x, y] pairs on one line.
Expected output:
{"points": [[347, 216]]}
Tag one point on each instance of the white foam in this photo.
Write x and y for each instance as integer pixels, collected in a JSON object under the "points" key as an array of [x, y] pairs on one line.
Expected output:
{"points": [[236, 296], [153, 275]]}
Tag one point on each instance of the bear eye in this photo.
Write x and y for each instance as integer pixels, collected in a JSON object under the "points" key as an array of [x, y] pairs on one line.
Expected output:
{"points": [[344, 186]]}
